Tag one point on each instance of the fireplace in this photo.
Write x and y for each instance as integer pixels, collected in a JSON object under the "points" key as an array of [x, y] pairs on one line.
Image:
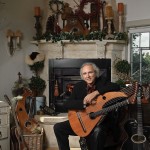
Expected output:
{"points": [[65, 73], [106, 49]]}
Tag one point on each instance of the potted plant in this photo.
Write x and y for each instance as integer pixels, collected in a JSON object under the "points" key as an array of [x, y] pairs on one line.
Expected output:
{"points": [[20, 85], [36, 63], [122, 68]]}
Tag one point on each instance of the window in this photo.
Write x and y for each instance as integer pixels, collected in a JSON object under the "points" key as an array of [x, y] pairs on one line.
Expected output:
{"points": [[140, 54]]}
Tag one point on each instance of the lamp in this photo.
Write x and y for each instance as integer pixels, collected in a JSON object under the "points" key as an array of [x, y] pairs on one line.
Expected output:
{"points": [[13, 40]]}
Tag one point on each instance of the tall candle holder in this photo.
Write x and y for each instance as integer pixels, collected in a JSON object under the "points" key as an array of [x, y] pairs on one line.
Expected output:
{"points": [[38, 27], [109, 19], [120, 14], [121, 28], [109, 30]]}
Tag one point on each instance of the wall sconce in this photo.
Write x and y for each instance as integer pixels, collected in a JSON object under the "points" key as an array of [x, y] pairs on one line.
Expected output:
{"points": [[13, 40]]}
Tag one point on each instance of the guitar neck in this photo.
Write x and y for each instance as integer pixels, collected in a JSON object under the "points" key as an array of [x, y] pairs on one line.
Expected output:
{"points": [[104, 111], [129, 90], [139, 113]]}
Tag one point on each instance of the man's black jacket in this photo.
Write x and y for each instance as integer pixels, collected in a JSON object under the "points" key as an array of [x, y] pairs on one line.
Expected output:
{"points": [[80, 91]]}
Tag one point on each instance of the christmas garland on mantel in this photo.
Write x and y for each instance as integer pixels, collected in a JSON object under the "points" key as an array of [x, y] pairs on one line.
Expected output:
{"points": [[95, 35]]}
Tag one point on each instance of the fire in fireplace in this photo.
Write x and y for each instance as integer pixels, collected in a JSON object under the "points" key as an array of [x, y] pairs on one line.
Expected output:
{"points": [[64, 73]]}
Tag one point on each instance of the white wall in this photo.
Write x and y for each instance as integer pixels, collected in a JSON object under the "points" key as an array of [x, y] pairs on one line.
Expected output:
{"points": [[14, 15], [19, 14], [137, 9]]}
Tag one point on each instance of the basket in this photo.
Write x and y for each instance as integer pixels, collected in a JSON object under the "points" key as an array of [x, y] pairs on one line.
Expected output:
{"points": [[34, 141]]}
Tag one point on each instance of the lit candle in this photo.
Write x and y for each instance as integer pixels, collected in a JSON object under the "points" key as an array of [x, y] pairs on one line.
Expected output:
{"points": [[120, 8], [37, 11]]}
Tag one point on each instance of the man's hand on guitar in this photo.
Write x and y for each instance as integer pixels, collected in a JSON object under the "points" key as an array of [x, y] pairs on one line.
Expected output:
{"points": [[132, 99], [90, 98]]}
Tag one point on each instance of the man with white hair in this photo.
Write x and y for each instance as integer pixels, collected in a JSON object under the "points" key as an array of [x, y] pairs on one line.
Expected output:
{"points": [[84, 92]]}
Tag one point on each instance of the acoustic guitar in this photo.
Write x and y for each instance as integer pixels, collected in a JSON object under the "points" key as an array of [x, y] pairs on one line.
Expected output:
{"points": [[83, 121], [16, 132], [136, 139]]}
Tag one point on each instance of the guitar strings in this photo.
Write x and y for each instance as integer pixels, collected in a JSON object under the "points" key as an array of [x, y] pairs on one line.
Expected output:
{"points": [[129, 91]]}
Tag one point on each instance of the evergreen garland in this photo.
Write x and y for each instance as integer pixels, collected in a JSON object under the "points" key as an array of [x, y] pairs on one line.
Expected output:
{"points": [[95, 35]]}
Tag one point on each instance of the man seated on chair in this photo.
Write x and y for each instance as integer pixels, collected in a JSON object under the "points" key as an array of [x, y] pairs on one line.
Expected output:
{"points": [[92, 85]]}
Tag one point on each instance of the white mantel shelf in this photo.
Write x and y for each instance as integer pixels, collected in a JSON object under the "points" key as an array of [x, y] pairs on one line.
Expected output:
{"points": [[78, 42], [83, 49]]}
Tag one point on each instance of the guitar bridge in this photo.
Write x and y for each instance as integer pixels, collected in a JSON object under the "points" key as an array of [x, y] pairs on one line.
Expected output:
{"points": [[81, 122]]}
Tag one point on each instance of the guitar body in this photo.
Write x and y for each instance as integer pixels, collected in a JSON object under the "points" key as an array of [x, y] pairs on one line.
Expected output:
{"points": [[27, 124], [80, 121], [129, 145], [135, 141]]}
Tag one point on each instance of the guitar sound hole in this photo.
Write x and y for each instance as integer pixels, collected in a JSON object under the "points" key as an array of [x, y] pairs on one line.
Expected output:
{"points": [[104, 97], [27, 124], [92, 115], [20, 109], [138, 138]]}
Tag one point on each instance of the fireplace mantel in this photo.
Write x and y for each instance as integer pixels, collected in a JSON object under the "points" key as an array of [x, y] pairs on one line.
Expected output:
{"points": [[84, 49]]}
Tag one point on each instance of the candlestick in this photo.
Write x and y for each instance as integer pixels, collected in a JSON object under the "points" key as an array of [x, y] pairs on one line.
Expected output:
{"points": [[37, 11], [38, 28], [109, 31], [120, 13], [121, 22], [101, 20]]}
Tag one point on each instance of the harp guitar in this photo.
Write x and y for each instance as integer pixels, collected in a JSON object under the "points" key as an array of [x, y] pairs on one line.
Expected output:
{"points": [[83, 122]]}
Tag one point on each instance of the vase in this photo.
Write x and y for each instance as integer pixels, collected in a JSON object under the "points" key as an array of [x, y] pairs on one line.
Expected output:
{"points": [[40, 102]]}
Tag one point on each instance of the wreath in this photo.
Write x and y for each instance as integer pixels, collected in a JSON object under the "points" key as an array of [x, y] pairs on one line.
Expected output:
{"points": [[87, 16]]}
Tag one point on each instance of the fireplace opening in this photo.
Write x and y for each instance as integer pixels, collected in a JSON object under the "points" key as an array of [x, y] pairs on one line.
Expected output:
{"points": [[65, 73]]}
